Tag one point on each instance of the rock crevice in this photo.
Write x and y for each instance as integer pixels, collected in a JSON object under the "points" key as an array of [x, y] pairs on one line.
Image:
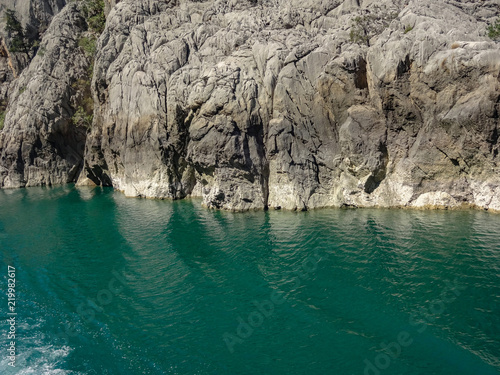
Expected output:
{"points": [[294, 105]]}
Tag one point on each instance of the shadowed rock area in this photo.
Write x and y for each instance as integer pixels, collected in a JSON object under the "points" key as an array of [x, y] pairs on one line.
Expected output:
{"points": [[38, 144], [294, 105]]}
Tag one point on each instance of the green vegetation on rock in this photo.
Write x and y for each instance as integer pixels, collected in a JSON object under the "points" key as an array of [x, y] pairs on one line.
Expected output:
{"points": [[84, 104], [359, 32], [93, 12], [82, 118], [18, 41], [494, 30], [408, 29], [3, 112], [88, 45], [2, 119], [363, 28]]}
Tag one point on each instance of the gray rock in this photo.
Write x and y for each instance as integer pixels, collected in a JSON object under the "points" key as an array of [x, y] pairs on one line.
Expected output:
{"points": [[298, 104], [273, 105], [38, 144], [35, 17]]}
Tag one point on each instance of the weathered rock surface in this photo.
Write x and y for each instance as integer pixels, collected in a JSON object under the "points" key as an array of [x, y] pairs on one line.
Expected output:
{"points": [[35, 16], [38, 144], [255, 105], [295, 105]]}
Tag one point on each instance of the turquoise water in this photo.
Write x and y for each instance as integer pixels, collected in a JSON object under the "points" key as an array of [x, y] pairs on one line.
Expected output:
{"points": [[112, 285]]}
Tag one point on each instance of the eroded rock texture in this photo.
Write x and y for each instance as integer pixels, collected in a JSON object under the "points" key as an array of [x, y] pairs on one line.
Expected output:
{"points": [[38, 144], [34, 16], [296, 104]]}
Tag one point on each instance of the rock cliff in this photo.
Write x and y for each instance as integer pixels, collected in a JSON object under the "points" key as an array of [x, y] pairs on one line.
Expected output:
{"points": [[268, 103], [38, 143], [34, 17]]}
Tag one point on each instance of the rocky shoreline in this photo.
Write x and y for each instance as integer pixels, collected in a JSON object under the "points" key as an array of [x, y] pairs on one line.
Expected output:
{"points": [[265, 104]]}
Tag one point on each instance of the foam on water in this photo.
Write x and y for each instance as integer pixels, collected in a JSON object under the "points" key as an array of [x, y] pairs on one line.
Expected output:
{"points": [[38, 358]]}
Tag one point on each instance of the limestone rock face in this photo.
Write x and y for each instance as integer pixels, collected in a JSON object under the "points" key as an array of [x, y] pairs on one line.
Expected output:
{"points": [[109, 4], [35, 17], [38, 144], [299, 104], [33, 13], [293, 104]]}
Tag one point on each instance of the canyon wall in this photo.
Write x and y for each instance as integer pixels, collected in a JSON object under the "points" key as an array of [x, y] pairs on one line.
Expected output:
{"points": [[266, 103]]}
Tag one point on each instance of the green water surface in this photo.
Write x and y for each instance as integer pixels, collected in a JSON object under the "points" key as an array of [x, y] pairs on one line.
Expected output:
{"points": [[111, 285]]}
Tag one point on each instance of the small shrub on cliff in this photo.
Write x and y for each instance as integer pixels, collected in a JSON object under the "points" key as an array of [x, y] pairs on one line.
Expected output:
{"points": [[12, 24], [2, 119], [365, 27], [88, 45], [93, 11], [14, 30], [19, 39], [41, 51], [82, 101], [494, 30], [408, 29], [82, 118], [359, 33]]}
